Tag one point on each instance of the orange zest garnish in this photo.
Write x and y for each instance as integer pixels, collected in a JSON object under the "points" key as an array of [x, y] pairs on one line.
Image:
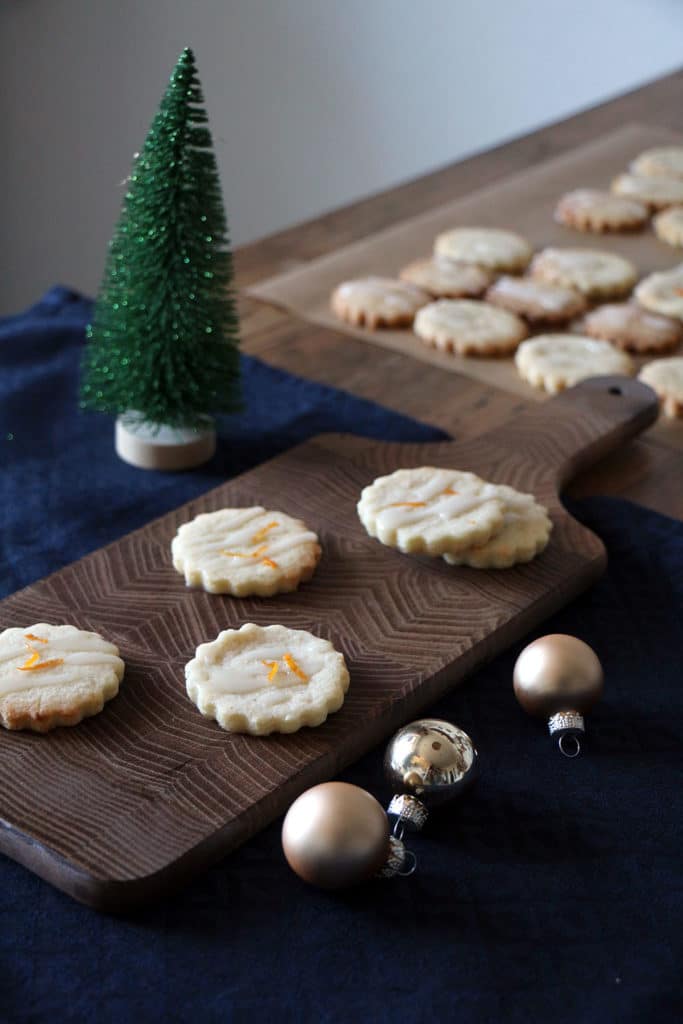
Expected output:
{"points": [[33, 662], [31, 667], [261, 534], [448, 490], [245, 554], [408, 504], [273, 666], [30, 661], [269, 562], [293, 667]]}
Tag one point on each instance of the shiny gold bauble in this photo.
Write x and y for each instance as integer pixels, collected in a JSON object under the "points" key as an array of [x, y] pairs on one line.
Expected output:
{"points": [[335, 835], [557, 673], [430, 759]]}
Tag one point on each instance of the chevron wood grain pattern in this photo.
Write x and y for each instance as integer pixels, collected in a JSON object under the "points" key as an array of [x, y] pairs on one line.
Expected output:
{"points": [[130, 803]]}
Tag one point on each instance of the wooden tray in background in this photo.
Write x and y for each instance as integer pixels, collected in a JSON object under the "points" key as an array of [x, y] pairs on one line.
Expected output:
{"points": [[128, 804], [523, 202]]}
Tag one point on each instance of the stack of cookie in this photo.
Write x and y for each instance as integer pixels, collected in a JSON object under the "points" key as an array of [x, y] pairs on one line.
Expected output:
{"points": [[456, 515]]}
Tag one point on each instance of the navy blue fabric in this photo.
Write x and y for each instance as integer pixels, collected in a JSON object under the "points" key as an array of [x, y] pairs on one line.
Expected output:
{"points": [[551, 892]]}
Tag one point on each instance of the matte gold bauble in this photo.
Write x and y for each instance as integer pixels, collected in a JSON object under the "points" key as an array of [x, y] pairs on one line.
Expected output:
{"points": [[559, 677], [336, 835], [557, 673]]}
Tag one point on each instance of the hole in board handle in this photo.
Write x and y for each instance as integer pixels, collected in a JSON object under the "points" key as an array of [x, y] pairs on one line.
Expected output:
{"points": [[615, 391]]}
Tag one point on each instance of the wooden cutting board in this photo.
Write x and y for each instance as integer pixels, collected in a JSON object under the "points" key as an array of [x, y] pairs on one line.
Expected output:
{"points": [[121, 808]]}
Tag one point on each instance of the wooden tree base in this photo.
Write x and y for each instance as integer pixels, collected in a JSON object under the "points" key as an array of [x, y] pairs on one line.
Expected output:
{"points": [[154, 446]]}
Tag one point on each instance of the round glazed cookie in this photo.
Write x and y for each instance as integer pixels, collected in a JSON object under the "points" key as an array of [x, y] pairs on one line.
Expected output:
{"points": [[663, 292], [596, 274], [536, 301], [377, 302], [444, 278], [656, 193], [488, 247], [469, 328], [660, 162], [430, 510], [525, 533], [557, 361], [55, 675], [265, 679], [665, 376], [589, 209], [668, 226], [633, 329], [245, 551]]}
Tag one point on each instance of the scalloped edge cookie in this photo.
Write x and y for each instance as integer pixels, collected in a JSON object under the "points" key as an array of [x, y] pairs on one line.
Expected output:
{"points": [[558, 361], [590, 209], [430, 510], [633, 329], [375, 302], [469, 328], [265, 679], [245, 552], [665, 376], [493, 248], [593, 272], [447, 279], [53, 676], [525, 534]]}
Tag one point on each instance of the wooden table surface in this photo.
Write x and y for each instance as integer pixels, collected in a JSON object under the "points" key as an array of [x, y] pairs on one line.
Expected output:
{"points": [[644, 471]]}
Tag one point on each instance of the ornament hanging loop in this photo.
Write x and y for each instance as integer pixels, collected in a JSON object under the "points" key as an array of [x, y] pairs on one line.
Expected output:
{"points": [[409, 866], [569, 744]]}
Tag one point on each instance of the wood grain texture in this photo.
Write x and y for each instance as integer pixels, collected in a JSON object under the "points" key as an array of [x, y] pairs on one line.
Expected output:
{"points": [[128, 804], [645, 471]]}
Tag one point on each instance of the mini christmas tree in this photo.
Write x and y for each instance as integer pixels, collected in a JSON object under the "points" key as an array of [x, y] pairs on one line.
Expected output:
{"points": [[163, 344]]}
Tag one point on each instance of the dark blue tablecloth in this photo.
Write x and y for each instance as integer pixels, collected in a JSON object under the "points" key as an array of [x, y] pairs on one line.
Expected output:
{"points": [[551, 893]]}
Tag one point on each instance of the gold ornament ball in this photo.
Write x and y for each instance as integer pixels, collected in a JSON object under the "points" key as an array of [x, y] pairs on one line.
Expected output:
{"points": [[432, 760], [557, 673], [335, 835]]}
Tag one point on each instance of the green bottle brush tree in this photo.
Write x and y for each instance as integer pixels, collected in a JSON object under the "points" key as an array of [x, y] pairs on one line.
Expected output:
{"points": [[162, 349]]}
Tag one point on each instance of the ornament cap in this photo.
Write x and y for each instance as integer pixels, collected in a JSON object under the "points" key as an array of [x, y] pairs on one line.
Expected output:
{"points": [[567, 726], [409, 813]]}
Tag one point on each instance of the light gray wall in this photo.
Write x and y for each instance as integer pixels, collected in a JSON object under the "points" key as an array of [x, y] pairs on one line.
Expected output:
{"points": [[312, 102]]}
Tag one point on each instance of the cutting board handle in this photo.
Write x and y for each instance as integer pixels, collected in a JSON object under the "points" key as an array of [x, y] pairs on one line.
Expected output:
{"points": [[580, 426]]}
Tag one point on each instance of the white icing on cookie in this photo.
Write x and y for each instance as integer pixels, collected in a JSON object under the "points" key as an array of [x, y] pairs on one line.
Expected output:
{"points": [[525, 533], [469, 328], [654, 191], [377, 302], [489, 247], [444, 278], [663, 292], [665, 376], [589, 209], [536, 300], [557, 361], [661, 161], [668, 226], [596, 274]]}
